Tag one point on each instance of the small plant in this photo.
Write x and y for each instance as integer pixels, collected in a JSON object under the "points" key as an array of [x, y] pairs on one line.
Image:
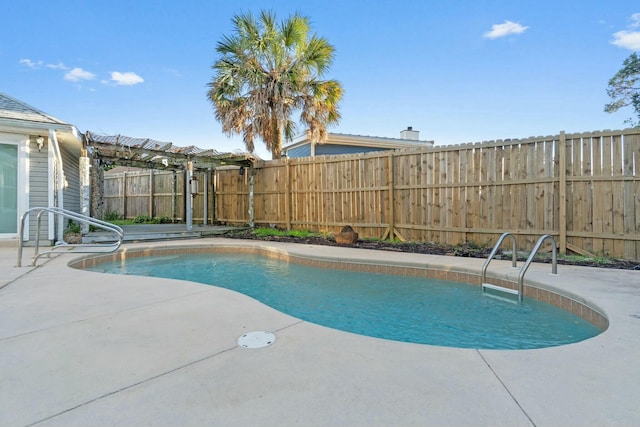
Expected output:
{"points": [[112, 216], [302, 233], [598, 260], [269, 232], [72, 233], [72, 227], [327, 234], [141, 219], [470, 249]]}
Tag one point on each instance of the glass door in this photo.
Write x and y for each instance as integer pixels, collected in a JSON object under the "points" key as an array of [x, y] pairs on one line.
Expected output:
{"points": [[8, 189]]}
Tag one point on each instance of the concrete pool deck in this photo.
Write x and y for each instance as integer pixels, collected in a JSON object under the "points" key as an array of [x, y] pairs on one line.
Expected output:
{"points": [[80, 348]]}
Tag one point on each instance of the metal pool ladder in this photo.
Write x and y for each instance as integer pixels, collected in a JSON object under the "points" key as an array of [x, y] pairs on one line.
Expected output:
{"points": [[83, 248], [520, 291]]}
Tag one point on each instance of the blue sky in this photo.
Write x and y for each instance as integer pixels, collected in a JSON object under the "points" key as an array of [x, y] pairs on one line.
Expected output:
{"points": [[457, 71]]}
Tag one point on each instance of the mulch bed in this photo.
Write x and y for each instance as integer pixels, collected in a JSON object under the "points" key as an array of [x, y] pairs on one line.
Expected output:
{"points": [[466, 250]]}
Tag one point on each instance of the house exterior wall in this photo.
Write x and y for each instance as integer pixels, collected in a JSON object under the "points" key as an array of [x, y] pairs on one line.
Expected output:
{"points": [[331, 149], [38, 182], [71, 195], [327, 149], [337, 144], [300, 151], [39, 179]]}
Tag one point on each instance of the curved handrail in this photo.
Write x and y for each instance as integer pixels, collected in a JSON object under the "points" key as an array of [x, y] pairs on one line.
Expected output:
{"points": [[534, 251], [495, 250], [90, 248]]}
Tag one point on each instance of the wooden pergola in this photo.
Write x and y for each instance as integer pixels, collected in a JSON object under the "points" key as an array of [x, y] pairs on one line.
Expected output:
{"points": [[151, 154], [148, 153]]}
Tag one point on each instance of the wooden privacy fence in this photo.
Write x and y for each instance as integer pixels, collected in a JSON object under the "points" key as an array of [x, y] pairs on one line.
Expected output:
{"points": [[583, 189], [157, 194]]}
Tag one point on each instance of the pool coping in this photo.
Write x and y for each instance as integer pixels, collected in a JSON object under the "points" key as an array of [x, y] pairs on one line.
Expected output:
{"points": [[83, 348]]}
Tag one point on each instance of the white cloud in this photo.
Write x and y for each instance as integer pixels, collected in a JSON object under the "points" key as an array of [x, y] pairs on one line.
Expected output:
{"points": [[126, 79], [506, 29], [58, 66], [40, 64], [629, 39], [29, 63], [78, 74]]}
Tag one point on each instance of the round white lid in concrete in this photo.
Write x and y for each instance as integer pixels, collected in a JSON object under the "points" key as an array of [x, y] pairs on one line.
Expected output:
{"points": [[256, 339]]}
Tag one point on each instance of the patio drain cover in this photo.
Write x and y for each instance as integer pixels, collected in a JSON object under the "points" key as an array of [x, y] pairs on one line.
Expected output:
{"points": [[256, 339]]}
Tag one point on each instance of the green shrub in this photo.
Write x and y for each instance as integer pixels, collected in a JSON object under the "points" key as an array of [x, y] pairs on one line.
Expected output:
{"points": [[112, 216], [72, 227], [141, 219], [145, 219], [302, 233]]}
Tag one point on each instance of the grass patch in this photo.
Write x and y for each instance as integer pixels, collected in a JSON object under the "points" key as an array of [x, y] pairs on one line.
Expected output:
{"points": [[584, 259], [141, 219], [122, 222]]}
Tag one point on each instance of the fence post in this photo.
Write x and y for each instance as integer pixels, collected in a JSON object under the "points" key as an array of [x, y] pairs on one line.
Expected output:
{"points": [[391, 209], [188, 195], [174, 195], [205, 215], [287, 193], [563, 193], [214, 196], [184, 189], [151, 193], [124, 195], [252, 219]]}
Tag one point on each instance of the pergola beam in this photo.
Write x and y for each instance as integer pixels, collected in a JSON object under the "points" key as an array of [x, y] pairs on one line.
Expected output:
{"points": [[154, 159], [152, 154]]}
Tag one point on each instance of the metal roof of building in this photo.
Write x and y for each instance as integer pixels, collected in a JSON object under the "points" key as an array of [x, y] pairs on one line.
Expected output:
{"points": [[13, 109]]}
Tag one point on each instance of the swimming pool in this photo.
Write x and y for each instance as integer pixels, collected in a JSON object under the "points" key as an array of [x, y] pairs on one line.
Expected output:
{"points": [[407, 309]]}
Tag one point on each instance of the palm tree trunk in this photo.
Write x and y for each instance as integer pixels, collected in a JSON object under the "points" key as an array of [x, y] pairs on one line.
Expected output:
{"points": [[276, 145]]}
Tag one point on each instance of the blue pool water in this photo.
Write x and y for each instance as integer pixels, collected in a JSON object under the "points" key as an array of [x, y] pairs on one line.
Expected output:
{"points": [[398, 308]]}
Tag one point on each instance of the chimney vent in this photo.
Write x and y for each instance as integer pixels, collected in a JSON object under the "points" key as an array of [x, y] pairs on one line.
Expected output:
{"points": [[410, 134]]}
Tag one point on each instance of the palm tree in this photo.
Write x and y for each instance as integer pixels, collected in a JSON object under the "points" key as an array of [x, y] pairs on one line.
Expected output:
{"points": [[269, 71]]}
